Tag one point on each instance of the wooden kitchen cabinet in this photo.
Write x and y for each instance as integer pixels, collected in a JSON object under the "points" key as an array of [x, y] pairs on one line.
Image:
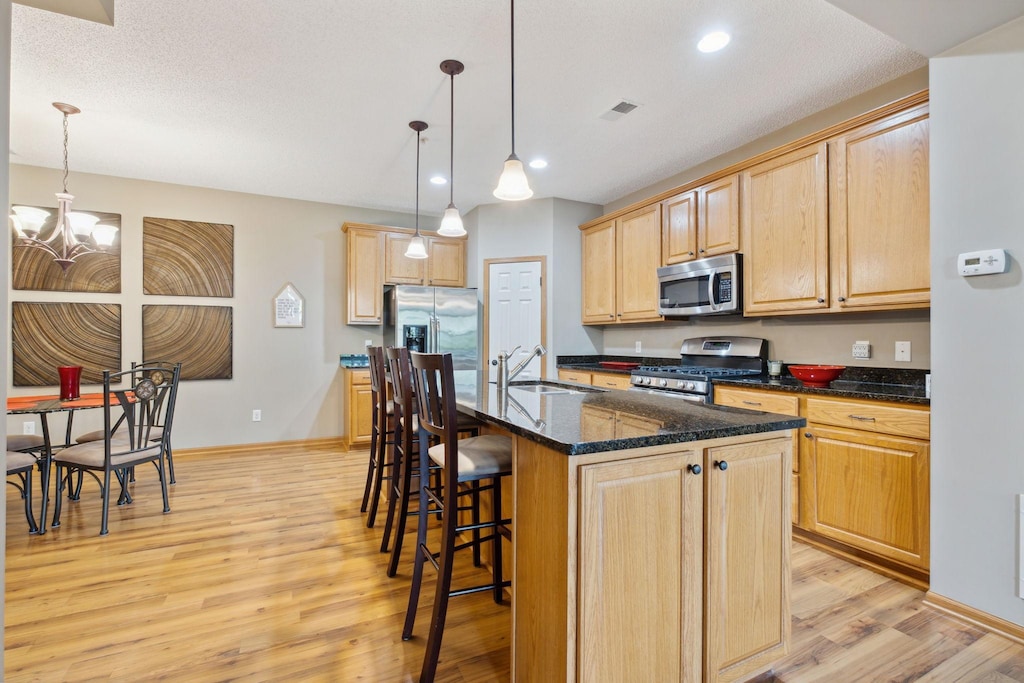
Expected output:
{"points": [[620, 260], [610, 380], [784, 212], [769, 402], [879, 216], [841, 225], [747, 558], [601, 424], [358, 407], [574, 376], [702, 222], [867, 471], [376, 256]]}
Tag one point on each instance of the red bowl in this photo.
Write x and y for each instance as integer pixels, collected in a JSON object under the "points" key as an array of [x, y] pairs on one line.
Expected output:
{"points": [[816, 375]]}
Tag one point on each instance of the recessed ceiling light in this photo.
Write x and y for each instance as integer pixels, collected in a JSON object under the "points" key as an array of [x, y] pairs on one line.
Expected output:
{"points": [[714, 41], [538, 163], [439, 180]]}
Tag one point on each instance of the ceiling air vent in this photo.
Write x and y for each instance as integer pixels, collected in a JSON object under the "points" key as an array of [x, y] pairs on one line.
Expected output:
{"points": [[618, 111]]}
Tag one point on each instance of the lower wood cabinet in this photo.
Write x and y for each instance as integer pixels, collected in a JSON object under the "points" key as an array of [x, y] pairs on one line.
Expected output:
{"points": [[358, 407], [574, 376], [703, 589], [608, 380]]}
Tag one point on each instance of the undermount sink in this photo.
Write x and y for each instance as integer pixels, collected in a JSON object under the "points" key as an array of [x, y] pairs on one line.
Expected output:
{"points": [[541, 387]]}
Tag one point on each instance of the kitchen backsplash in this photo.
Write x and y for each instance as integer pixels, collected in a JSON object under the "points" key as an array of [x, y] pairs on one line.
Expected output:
{"points": [[792, 339]]}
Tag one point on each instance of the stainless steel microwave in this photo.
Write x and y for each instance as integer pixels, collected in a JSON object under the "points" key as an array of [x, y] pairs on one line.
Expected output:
{"points": [[710, 286]]}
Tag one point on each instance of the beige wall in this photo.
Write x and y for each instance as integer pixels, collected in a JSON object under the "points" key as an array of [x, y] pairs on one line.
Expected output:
{"points": [[291, 375]]}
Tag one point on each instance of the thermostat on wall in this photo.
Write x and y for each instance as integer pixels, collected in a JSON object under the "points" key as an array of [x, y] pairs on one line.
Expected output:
{"points": [[983, 262]]}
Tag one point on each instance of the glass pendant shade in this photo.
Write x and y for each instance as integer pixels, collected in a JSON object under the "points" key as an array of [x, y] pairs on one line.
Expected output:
{"points": [[451, 223], [104, 235], [29, 219], [513, 185], [81, 224], [417, 248]]}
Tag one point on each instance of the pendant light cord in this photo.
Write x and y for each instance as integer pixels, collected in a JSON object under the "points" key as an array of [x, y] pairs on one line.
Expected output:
{"points": [[65, 153], [513, 74], [417, 183], [451, 148]]}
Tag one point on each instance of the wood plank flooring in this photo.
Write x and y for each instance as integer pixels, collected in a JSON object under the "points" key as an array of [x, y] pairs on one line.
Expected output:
{"points": [[265, 571]]}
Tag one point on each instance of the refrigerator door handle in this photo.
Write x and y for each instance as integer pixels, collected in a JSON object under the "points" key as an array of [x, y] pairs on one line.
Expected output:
{"points": [[435, 332]]}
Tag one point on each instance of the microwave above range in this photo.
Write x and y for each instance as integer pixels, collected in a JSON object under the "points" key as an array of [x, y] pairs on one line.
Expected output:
{"points": [[709, 286]]}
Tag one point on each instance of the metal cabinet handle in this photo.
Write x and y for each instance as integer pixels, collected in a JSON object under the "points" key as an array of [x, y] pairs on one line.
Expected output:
{"points": [[695, 469], [689, 253], [611, 315], [862, 418], [701, 250], [820, 300], [808, 435], [841, 299], [722, 465], [751, 403]]}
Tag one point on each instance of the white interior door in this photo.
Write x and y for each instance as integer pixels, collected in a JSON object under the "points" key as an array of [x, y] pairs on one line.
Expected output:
{"points": [[514, 313]]}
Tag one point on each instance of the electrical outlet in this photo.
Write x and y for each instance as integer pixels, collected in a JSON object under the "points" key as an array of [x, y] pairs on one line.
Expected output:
{"points": [[862, 349], [28, 427], [257, 415], [367, 342], [903, 351], [639, 347]]}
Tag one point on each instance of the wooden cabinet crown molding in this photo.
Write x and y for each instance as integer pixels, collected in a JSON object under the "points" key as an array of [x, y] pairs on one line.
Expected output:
{"points": [[815, 137], [349, 225]]}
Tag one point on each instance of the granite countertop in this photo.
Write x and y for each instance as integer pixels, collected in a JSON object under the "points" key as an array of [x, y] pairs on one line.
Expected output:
{"points": [[557, 420]]}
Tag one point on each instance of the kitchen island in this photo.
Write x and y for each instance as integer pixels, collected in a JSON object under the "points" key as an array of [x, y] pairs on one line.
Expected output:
{"points": [[650, 535]]}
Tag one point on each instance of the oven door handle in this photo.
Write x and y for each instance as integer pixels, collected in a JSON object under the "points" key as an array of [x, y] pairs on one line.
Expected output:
{"points": [[711, 291]]}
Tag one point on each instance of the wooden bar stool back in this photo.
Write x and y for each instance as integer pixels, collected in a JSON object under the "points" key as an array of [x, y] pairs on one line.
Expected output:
{"points": [[482, 460], [381, 435]]}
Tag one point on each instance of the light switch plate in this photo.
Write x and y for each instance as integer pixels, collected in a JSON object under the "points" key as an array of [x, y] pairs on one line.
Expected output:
{"points": [[903, 351]]}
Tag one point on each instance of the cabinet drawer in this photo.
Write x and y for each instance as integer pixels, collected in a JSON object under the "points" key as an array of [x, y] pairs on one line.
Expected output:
{"points": [[359, 376], [601, 379], [870, 418], [573, 376], [765, 401]]}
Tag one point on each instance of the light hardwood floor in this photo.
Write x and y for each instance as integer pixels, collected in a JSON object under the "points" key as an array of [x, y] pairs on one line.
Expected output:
{"points": [[264, 571]]}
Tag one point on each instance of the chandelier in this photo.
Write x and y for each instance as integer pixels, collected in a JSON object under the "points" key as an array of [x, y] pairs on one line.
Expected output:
{"points": [[74, 233]]}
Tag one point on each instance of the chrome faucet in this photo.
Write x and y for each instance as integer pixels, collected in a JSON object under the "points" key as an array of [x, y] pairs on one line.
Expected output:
{"points": [[506, 375]]}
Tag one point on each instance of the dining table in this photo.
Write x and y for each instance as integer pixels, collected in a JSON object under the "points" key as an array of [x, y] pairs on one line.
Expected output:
{"points": [[44, 406]]}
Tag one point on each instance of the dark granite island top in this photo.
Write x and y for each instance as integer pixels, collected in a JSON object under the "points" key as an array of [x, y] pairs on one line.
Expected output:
{"points": [[571, 422]]}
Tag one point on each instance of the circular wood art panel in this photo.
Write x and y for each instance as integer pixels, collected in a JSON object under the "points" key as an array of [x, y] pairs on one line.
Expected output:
{"points": [[187, 258], [197, 336], [46, 335]]}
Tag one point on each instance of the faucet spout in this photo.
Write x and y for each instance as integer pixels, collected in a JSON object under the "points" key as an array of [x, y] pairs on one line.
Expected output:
{"points": [[538, 350]]}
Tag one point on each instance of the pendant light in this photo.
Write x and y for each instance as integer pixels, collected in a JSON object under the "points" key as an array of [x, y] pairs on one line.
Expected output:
{"points": [[417, 247], [513, 184], [451, 222]]}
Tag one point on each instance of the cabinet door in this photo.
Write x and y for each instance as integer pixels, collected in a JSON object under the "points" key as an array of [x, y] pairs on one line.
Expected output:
{"points": [[365, 277], [638, 239], [719, 217], [879, 216], [870, 491], [747, 537], [574, 376], [679, 228], [399, 269], [610, 380], [785, 233], [640, 621], [597, 424], [599, 274], [446, 263]]}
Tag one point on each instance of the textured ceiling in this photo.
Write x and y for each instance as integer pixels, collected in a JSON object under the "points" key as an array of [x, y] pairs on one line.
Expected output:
{"points": [[311, 99]]}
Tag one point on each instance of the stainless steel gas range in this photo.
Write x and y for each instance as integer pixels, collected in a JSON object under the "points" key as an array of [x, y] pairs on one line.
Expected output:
{"points": [[702, 360]]}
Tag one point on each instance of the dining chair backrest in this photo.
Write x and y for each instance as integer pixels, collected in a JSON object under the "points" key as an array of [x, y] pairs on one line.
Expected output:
{"points": [[433, 382], [147, 404]]}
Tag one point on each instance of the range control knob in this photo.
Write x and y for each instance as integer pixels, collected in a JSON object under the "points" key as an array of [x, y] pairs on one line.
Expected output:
{"points": [[647, 380], [662, 382], [690, 386]]}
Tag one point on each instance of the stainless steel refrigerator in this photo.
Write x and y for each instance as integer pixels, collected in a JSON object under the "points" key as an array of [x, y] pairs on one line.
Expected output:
{"points": [[434, 320]]}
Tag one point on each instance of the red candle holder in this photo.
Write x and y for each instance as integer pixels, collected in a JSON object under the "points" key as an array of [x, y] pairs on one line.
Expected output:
{"points": [[70, 382]]}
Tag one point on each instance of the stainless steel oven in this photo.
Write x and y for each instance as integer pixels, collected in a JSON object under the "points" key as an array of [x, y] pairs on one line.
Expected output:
{"points": [[702, 359], [709, 286]]}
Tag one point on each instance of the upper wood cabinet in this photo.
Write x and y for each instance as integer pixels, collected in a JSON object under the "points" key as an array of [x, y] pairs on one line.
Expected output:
{"points": [[841, 225], [376, 256], [878, 215], [702, 222], [620, 260], [785, 232]]}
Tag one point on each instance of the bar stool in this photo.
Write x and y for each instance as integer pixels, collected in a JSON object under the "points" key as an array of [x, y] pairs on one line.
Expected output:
{"points": [[381, 435], [409, 438], [478, 459]]}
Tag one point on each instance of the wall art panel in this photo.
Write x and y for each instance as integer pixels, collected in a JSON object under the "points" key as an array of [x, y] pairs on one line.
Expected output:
{"points": [[187, 258], [35, 269], [46, 335], [197, 336]]}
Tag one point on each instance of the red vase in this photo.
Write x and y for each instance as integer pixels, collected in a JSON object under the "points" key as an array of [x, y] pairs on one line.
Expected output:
{"points": [[70, 382]]}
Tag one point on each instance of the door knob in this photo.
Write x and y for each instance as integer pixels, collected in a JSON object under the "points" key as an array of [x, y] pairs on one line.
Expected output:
{"points": [[722, 465], [696, 469]]}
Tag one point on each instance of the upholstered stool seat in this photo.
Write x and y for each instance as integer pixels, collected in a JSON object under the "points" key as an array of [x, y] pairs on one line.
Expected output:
{"points": [[25, 442], [479, 456]]}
